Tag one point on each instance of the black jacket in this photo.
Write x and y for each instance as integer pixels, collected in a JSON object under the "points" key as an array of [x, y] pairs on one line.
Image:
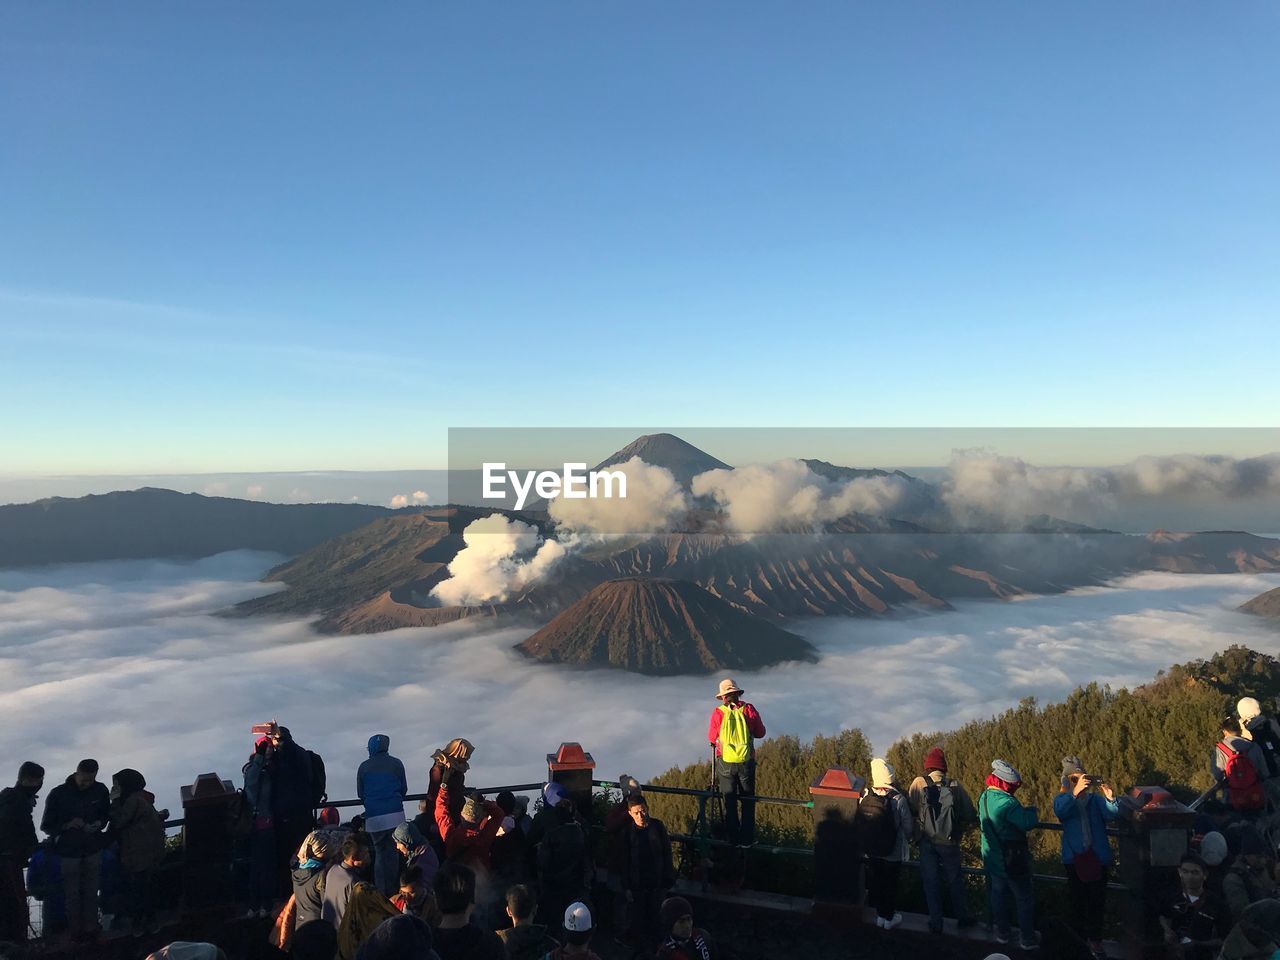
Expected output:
{"points": [[646, 857], [291, 787], [17, 828], [66, 802]]}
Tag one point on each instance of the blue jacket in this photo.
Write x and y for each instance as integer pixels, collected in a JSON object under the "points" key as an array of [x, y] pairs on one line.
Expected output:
{"points": [[381, 784], [1099, 810]]}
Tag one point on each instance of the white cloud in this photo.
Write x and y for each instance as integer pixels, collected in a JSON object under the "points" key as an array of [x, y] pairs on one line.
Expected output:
{"points": [[419, 496], [126, 662], [218, 488], [654, 501], [501, 557], [399, 500], [787, 495], [254, 491]]}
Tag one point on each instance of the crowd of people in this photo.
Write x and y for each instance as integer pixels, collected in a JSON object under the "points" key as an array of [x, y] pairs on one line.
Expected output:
{"points": [[471, 878]]}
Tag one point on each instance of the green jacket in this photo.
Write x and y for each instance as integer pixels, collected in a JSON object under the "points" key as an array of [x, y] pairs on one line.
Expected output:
{"points": [[1002, 818]]}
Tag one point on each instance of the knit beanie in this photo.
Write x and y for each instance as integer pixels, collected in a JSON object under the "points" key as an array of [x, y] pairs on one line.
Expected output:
{"points": [[1213, 848], [935, 759], [1248, 708], [673, 908], [473, 808], [1071, 765], [1005, 771], [881, 773]]}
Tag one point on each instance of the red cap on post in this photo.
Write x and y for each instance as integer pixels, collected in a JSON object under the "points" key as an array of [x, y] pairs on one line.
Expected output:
{"points": [[838, 782], [570, 756]]}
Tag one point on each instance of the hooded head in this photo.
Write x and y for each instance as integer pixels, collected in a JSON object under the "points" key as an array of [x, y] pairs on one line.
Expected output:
{"points": [[405, 937], [130, 781], [1004, 770], [1213, 848], [473, 808], [379, 743], [881, 774], [1248, 708]]}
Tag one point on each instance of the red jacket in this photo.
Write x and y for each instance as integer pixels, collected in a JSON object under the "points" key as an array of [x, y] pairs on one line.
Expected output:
{"points": [[755, 726], [463, 841]]}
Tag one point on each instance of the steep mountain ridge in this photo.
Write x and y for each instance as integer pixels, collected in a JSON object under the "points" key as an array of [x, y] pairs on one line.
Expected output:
{"points": [[661, 627]]}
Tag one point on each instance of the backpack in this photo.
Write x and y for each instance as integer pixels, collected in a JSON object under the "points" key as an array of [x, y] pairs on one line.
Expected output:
{"points": [[318, 792], [239, 816], [1244, 788], [1269, 744], [938, 819], [735, 738], [875, 825]]}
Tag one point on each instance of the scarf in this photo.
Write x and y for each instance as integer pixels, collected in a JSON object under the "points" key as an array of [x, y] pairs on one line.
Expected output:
{"points": [[695, 947]]}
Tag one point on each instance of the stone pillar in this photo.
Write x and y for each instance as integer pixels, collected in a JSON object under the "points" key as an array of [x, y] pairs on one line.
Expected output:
{"points": [[572, 768], [837, 857], [207, 842], [1155, 833]]}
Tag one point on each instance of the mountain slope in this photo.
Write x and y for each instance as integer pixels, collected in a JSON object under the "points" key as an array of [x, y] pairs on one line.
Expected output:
{"points": [[138, 524], [684, 460], [1265, 605], [661, 627]]}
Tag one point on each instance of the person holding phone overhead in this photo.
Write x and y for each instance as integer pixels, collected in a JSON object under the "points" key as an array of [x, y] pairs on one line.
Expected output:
{"points": [[1084, 806]]}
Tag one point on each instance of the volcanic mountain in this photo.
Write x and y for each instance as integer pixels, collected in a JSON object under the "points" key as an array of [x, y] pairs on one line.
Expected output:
{"points": [[662, 627], [683, 459], [1265, 605]]}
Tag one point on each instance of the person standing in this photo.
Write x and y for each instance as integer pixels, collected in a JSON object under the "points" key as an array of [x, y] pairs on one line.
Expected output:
{"points": [[17, 843], [1086, 852], [75, 815], [943, 810], [259, 774], [734, 727], [140, 829], [883, 823], [1005, 857], [297, 788], [648, 872], [381, 785]]}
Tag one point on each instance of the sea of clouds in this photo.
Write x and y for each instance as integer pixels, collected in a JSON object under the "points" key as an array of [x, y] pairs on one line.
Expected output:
{"points": [[129, 662]]}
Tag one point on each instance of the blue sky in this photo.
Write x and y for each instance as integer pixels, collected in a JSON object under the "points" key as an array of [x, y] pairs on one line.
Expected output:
{"points": [[315, 236]]}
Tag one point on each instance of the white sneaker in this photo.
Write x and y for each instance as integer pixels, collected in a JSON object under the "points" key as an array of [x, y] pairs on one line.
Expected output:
{"points": [[880, 922], [893, 921], [251, 914], [262, 914]]}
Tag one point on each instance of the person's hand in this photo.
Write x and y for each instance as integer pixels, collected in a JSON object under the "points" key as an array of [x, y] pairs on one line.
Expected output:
{"points": [[1106, 790], [1082, 784]]}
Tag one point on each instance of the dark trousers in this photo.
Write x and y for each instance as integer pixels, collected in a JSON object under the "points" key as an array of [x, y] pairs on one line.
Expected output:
{"points": [[939, 868], [290, 830], [1088, 901], [882, 888], [139, 897], [644, 927], [737, 783], [263, 868], [15, 916]]}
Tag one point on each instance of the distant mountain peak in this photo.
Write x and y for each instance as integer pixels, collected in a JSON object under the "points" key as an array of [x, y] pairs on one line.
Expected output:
{"points": [[683, 459]]}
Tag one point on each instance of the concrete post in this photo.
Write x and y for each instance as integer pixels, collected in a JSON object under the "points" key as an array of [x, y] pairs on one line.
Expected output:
{"points": [[1154, 835], [837, 857], [572, 768], [207, 841]]}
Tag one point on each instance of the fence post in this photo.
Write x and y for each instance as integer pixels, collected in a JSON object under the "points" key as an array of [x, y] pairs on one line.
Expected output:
{"points": [[572, 768], [207, 841], [837, 857], [1155, 833]]}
